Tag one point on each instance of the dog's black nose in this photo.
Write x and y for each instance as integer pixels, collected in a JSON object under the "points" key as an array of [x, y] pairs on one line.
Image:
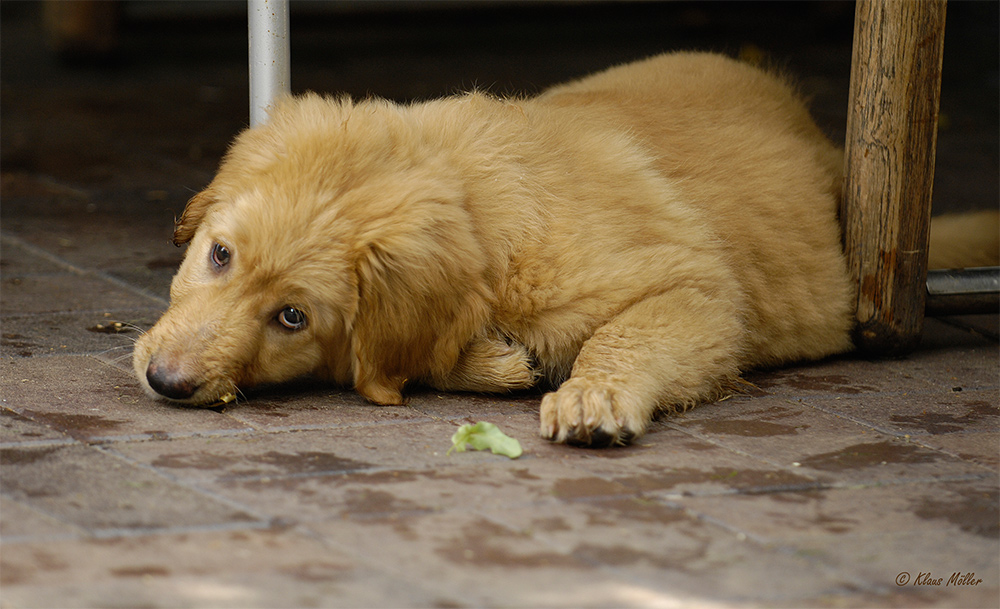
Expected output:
{"points": [[169, 382]]}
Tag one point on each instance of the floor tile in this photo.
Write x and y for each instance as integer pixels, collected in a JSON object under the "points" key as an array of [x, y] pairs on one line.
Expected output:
{"points": [[239, 568], [876, 534], [18, 521], [979, 448], [108, 332], [104, 495], [43, 295], [923, 414], [92, 401]]}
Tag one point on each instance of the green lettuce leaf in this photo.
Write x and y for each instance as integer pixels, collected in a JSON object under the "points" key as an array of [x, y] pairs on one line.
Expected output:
{"points": [[485, 435]]}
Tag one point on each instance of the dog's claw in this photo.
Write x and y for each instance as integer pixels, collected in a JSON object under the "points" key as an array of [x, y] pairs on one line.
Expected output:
{"points": [[583, 413]]}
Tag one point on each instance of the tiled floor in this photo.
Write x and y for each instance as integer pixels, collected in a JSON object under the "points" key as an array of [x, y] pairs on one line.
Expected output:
{"points": [[842, 483]]}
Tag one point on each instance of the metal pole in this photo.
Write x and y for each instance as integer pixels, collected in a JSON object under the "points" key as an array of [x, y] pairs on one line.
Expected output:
{"points": [[963, 291], [270, 68]]}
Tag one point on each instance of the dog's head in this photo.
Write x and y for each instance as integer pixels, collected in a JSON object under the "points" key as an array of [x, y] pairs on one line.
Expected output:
{"points": [[333, 242]]}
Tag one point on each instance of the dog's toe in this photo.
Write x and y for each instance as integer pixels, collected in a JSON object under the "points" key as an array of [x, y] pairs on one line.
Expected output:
{"points": [[599, 438], [589, 414]]}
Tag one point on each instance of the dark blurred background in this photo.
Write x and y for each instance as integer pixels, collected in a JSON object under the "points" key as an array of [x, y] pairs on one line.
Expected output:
{"points": [[138, 119]]}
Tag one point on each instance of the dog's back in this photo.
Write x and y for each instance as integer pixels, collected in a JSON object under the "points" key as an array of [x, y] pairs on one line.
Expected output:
{"points": [[741, 147]]}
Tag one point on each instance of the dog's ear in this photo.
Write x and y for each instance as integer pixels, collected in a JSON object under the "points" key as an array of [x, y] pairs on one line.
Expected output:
{"points": [[422, 295], [194, 213]]}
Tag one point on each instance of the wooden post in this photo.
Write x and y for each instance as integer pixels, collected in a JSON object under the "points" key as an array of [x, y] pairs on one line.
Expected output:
{"points": [[889, 166]]}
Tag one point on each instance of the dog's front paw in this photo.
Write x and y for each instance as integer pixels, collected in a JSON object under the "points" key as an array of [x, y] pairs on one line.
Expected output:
{"points": [[594, 414]]}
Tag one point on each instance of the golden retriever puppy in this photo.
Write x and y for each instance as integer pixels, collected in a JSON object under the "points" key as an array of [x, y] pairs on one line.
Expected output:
{"points": [[635, 238]]}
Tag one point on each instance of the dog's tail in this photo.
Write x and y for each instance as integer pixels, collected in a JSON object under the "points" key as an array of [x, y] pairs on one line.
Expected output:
{"points": [[965, 240]]}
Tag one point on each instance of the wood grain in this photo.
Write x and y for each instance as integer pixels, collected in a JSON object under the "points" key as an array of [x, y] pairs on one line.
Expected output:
{"points": [[889, 166]]}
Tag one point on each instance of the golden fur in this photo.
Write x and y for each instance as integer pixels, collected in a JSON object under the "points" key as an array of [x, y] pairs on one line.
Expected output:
{"points": [[636, 238]]}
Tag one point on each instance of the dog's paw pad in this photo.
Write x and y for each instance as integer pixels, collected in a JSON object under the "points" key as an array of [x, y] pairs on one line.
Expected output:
{"points": [[592, 414]]}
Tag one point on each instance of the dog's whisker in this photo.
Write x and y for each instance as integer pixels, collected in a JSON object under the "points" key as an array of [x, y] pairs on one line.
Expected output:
{"points": [[122, 358], [133, 327], [131, 339], [126, 349]]}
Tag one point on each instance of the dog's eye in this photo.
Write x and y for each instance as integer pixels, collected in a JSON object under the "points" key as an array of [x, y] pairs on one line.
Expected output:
{"points": [[291, 318], [220, 255]]}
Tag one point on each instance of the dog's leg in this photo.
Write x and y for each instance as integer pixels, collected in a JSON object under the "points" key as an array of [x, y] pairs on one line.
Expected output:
{"points": [[490, 366], [668, 351]]}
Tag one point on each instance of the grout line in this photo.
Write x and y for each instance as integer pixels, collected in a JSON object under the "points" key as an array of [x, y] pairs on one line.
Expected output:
{"points": [[54, 442], [72, 268], [249, 525], [686, 430], [812, 473], [802, 398], [918, 440], [249, 430], [99, 441], [111, 533], [906, 437], [960, 324], [195, 488], [9, 540], [91, 354], [81, 531], [41, 253], [819, 485], [84, 312]]}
